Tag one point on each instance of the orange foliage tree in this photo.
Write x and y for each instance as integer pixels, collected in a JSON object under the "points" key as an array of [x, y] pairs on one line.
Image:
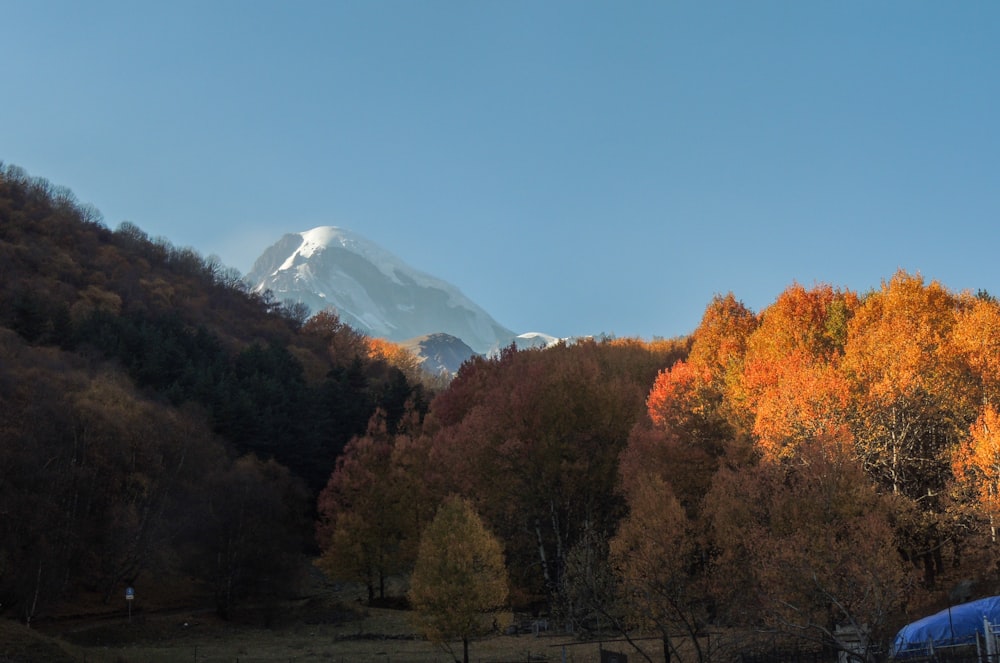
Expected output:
{"points": [[395, 355], [912, 403], [977, 464], [691, 399], [794, 399], [791, 387], [976, 342], [903, 391], [721, 336]]}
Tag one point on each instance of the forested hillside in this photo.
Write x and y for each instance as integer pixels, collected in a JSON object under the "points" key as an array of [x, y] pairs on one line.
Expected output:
{"points": [[828, 462], [157, 419]]}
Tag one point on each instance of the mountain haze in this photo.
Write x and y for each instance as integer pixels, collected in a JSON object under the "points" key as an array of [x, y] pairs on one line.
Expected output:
{"points": [[371, 289]]}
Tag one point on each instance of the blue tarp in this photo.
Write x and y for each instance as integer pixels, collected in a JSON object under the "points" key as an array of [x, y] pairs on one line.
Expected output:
{"points": [[956, 625]]}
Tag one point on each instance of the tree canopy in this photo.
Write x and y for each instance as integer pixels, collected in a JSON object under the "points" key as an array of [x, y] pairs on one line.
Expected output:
{"points": [[459, 584]]}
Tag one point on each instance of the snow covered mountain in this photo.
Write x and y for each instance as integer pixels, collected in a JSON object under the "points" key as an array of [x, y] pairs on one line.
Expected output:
{"points": [[371, 289], [536, 341]]}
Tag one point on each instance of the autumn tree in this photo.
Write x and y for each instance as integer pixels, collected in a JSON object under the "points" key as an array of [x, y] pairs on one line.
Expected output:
{"points": [[805, 545], [362, 528], [687, 468], [459, 584], [409, 468], [692, 399], [659, 566], [791, 387], [533, 438], [691, 422], [719, 341], [975, 340], [396, 355], [684, 402], [909, 405], [977, 465], [902, 399], [342, 341]]}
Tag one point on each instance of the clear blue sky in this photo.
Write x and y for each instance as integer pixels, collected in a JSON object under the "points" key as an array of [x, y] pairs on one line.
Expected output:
{"points": [[573, 167]]}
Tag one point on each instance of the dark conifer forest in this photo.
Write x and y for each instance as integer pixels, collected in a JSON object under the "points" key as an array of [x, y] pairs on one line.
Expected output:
{"points": [[156, 417]]}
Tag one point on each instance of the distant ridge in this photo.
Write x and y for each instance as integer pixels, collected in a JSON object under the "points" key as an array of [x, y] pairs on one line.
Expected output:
{"points": [[371, 289], [443, 354]]}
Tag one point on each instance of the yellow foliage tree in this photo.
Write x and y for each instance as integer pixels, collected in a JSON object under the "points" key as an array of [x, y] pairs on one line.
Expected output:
{"points": [[976, 340], [898, 362], [459, 583]]}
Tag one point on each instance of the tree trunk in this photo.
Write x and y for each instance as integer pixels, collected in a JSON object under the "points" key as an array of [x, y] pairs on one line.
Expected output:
{"points": [[541, 554], [560, 560], [465, 650], [29, 611]]}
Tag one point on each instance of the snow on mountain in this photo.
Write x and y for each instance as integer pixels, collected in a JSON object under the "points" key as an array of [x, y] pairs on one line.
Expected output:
{"points": [[371, 289], [532, 340]]}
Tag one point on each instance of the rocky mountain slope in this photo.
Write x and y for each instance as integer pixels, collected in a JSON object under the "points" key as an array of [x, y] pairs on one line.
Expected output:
{"points": [[442, 354], [371, 289]]}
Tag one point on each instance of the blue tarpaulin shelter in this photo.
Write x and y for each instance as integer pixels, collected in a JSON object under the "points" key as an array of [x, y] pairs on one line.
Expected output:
{"points": [[957, 625]]}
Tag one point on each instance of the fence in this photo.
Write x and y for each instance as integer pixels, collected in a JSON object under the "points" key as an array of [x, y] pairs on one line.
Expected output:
{"points": [[790, 655], [985, 649]]}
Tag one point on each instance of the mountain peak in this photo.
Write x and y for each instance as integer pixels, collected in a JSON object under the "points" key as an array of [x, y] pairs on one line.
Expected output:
{"points": [[371, 289], [321, 238]]}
